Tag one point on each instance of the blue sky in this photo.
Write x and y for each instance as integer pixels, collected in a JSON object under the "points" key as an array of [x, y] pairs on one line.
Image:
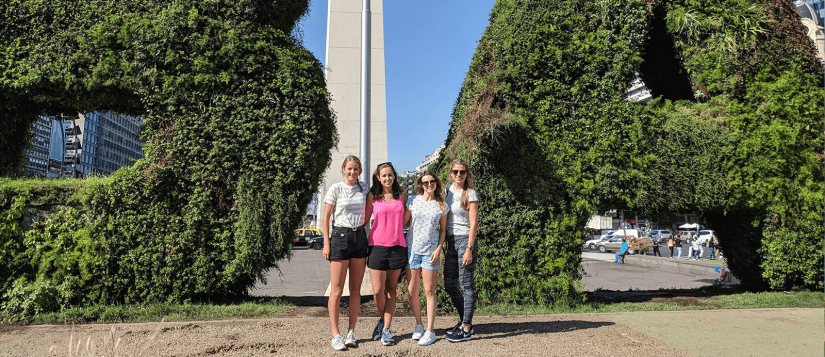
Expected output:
{"points": [[428, 46]]}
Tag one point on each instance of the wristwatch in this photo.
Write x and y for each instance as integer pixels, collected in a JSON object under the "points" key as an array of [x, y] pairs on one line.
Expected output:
{"points": [[469, 247]]}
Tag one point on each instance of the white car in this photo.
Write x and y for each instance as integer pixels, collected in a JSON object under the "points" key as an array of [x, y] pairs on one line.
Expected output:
{"points": [[704, 236]]}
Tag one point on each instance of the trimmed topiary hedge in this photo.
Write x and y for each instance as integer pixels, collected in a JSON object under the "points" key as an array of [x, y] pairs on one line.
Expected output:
{"points": [[736, 135], [237, 133]]}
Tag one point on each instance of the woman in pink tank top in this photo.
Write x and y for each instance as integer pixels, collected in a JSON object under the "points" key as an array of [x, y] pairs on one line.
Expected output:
{"points": [[387, 246]]}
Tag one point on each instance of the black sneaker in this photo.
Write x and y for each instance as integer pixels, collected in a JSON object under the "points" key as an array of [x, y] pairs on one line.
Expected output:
{"points": [[376, 334], [460, 335], [452, 330]]}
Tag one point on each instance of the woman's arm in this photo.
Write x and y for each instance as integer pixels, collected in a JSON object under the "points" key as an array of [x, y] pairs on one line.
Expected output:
{"points": [[328, 208], [472, 207], [368, 209], [442, 234]]}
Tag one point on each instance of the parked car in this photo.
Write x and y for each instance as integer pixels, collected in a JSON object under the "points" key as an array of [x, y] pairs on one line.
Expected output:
{"points": [[704, 236], [302, 235], [594, 243], [316, 243], [614, 244], [659, 234]]}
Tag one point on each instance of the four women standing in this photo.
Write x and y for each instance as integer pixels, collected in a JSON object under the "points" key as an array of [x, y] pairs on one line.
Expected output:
{"points": [[433, 219]]}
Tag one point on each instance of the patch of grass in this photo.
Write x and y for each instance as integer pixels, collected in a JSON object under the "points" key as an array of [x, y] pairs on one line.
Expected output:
{"points": [[739, 300], [258, 308]]}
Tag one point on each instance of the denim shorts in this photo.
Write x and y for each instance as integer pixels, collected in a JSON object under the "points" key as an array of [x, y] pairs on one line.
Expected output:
{"points": [[422, 261]]}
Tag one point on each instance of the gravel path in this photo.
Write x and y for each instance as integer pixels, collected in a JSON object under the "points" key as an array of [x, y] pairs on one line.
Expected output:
{"points": [[619, 334]]}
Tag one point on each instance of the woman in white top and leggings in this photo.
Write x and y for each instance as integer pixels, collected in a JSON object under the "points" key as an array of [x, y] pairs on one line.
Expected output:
{"points": [[460, 263], [346, 246]]}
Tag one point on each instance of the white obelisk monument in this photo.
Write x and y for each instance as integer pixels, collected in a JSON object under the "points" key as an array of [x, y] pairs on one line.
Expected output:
{"points": [[343, 72]]}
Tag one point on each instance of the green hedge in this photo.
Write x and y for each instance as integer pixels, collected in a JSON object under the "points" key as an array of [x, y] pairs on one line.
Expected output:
{"points": [[237, 133], [543, 120]]}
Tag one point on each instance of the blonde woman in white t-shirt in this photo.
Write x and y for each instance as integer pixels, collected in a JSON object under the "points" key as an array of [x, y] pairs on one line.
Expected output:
{"points": [[460, 262], [345, 246], [427, 217]]}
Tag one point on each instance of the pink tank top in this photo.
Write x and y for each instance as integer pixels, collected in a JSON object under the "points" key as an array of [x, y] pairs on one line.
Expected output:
{"points": [[388, 227]]}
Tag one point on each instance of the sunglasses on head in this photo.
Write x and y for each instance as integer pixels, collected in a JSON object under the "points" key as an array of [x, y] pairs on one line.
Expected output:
{"points": [[427, 183], [388, 163], [459, 172]]}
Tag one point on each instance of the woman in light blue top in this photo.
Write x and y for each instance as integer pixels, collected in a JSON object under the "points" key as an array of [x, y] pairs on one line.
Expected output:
{"points": [[427, 217]]}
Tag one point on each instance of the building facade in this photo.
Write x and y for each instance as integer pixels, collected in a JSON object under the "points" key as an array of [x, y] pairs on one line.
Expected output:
{"points": [[638, 92], [811, 14], [38, 156], [429, 159], [105, 142]]}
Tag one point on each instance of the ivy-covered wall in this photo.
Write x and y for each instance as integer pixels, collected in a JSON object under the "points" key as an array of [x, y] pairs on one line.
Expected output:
{"points": [[735, 135], [237, 132]]}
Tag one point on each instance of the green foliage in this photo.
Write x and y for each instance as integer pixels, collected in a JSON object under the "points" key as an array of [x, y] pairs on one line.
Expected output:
{"points": [[237, 133], [543, 121]]}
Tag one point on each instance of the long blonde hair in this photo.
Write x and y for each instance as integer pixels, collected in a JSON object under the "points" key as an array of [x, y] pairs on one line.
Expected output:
{"points": [[468, 181], [355, 159], [438, 194]]}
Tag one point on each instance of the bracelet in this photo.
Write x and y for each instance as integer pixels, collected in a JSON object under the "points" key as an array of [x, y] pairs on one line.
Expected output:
{"points": [[470, 247]]}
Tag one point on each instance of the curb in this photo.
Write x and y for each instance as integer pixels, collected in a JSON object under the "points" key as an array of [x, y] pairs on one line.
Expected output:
{"points": [[675, 265]]}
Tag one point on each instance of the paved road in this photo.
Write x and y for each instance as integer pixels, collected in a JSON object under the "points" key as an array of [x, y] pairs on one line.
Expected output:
{"points": [[307, 274]]}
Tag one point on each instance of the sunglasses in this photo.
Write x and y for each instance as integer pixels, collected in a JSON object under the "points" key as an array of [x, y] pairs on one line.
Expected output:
{"points": [[388, 163], [427, 183], [459, 172]]}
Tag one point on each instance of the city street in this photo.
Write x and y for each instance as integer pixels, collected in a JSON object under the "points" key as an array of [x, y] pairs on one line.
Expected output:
{"points": [[307, 274]]}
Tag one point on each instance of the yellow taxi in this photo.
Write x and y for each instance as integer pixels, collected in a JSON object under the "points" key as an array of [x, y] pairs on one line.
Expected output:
{"points": [[303, 235]]}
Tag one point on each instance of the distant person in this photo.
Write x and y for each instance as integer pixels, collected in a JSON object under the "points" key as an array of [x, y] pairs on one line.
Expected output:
{"points": [[712, 246], [427, 216], [689, 242], [696, 244], [723, 273], [670, 243], [678, 245], [656, 246], [460, 262], [345, 246], [387, 245], [620, 254]]}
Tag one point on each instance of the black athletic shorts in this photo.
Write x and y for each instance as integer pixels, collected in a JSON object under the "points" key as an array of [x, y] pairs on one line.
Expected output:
{"points": [[387, 258], [344, 243]]}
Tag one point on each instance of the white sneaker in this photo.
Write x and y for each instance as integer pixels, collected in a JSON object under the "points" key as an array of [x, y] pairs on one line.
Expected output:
{"points": [[351, 340], [386, 337], [338, 343], [427, 339], [419, 331]]}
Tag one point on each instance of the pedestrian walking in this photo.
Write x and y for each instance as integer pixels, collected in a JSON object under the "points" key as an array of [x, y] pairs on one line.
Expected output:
{"points": [[690, 240], [460, 263], [696, 245], [656, 247], [427, 217], [670, 243], [712, 246], [387, 246], [345, 246], [678, 245]]}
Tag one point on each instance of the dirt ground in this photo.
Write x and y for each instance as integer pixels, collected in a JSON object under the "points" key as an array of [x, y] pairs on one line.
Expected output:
{"points": [[762, 332]]}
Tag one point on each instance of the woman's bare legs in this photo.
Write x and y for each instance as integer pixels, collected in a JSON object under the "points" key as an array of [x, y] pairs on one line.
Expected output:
{"points": [[413, 277], [337, 277], [356, 277], [390, 287], [429, 291]]}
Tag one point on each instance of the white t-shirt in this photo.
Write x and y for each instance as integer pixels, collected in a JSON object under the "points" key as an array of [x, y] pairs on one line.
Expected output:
{"points": [[458, 221], [350, 204], [422, 238]]}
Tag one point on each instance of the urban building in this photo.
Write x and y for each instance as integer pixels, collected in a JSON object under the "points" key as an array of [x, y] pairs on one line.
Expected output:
{"points": [[38, 156], [811, 14], [638, 92], [429, 159], [97, 143]]}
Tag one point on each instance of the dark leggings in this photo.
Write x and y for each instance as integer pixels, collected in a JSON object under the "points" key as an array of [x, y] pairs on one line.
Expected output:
{"points": [[671, 251], [455, 274]]}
